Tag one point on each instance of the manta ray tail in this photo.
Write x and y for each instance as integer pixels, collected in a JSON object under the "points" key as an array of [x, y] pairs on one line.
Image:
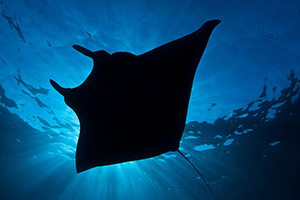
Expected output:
{"points": [[196, 170]]}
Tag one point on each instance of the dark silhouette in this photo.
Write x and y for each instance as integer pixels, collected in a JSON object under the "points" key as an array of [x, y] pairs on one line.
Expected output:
{"points": [[134, 107]]}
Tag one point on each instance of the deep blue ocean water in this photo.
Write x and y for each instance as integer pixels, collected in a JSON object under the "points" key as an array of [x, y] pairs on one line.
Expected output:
{"points": [[242, 130]]}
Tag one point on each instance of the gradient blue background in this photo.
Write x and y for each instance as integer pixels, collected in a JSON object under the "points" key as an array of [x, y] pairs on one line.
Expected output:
{"points": [[256, 44]]}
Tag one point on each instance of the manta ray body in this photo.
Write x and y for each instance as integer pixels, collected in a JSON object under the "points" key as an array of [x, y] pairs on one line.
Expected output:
{"points": [[134, 107]]}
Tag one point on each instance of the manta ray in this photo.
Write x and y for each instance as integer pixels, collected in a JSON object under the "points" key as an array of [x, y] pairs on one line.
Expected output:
{"points": [[134, 107]]}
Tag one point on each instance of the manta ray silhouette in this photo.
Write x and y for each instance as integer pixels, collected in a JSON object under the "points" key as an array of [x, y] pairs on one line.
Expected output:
{"points": [[134, 107]]}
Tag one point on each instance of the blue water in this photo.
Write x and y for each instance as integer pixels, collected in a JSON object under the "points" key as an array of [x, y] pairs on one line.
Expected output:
{"points": [[242, 129]]}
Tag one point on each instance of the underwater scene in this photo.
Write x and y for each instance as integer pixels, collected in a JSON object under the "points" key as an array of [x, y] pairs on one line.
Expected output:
{"points": [[242, 128]]}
